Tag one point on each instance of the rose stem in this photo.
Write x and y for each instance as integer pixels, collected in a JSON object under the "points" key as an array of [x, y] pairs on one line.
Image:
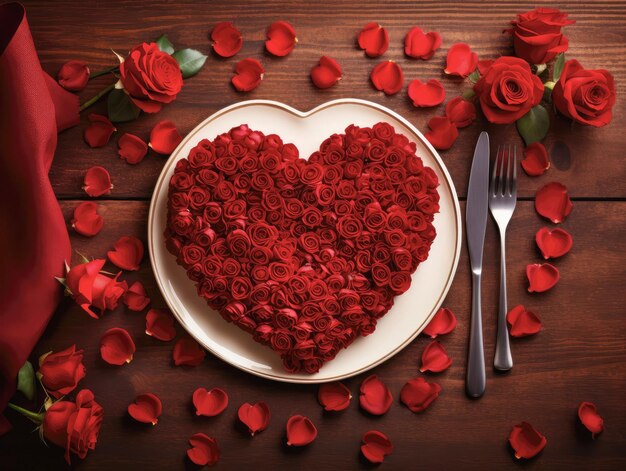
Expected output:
{"points": [[91, 101], [33, 416], [103, 72]]}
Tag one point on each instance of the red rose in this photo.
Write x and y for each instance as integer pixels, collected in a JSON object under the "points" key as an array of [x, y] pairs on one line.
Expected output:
{"points": [[198, 197], [178, 202], [537, 34], [150, 77], [507, 89], [181, 180], [240, 288], [381, 274], [586, 96], [202, 155], [231, 267], [281, 341], [191, 254], [61, 371], [400, 282], [74, 426]]}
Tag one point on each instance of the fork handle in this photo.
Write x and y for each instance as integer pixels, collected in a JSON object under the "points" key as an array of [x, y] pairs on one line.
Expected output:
{"points": [[475, 380], [503, 360]]}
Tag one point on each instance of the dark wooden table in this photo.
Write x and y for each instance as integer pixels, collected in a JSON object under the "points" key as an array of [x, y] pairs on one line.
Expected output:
{"points": [[580, 354]]}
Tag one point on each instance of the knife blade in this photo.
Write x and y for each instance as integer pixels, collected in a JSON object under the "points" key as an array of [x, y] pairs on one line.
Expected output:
{"points": [[476, 210]]}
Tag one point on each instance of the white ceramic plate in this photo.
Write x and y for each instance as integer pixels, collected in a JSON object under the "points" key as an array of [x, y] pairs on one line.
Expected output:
{"points": [[411, 312]]}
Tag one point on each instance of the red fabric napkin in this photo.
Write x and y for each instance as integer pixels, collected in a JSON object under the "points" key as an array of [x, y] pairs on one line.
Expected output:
{"points": [[33, 237]]}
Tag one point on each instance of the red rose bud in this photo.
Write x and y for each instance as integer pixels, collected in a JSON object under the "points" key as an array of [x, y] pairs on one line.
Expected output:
{"points": [[417, 394], [426, 94], [187, 352], [300, 431], [589, 417], [210, 403], [117, 347], [553, 243], [248, 75], [86, 220], [254, 416], [73, 76], [387, 77], [375, 396], [334, 396], [327, 73], [376, 445], [443, 133], [281, 38], [131, 148], [373, 39], [522, 323], [526, 441], [461, 61], [164, 137], [61, 371], [541, 277], [460, 112], [136, 298], [127, 253], [97, 182], [435, 358], [160, 325], [204, 450], [146, 409], [442, 323], [552, 202], [227, 39], [98, 133], [420, 45]]}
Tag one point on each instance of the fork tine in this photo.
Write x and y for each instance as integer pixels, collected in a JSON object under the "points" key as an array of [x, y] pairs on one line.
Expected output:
{"points": [[509, 177], [494, 174], [501, 176], [514, 185]]}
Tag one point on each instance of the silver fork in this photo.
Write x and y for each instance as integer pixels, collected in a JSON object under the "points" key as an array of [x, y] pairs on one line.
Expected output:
{"points": [[502, 199]]}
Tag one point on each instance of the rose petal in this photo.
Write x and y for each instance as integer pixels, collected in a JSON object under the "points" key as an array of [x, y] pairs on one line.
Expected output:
{"points": [[136, 298], [210, 403], [334, 396], [461, 61], [164, 137], [327, 73], [255, 416], [97, 182], [227, 39], [187, 352], [589, 417], [435, 358], [248, 75], [127, 253], [522, 323], [204, 450], [442, 323], [541, 277], [73, 76], [553, 243], [417, 394], [373, 39], [146, 409], [300, 431], [535, 161], [419, 45], [98, 133], [281, 38], [160, 325], [426, 94], [387, 76], [526, 441], [117, 347], [375, 396], [461, 112], [552, 202], [443, 133], [131, 148], [376, 445], [86, 219]]}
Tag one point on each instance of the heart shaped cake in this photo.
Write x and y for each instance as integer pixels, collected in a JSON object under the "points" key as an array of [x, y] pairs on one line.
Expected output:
{"points": [[305, 255]]}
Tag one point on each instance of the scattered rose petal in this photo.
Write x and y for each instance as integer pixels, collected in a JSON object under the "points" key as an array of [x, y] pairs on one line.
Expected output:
{"points": [[426, 94], [334, 396], [146, 409], [127, 253], [248, 75], [375, 396], [131, 148], [541, 277], [373, 39], [442, 323], [376, 445], [588, 415], [522, 323], [553, 203], [417, 394], [98, 133], [136, 298], [461, 112], [97, 182], [281, 38], [160, 325], [164, 137], [300, 431], [187, 352], [419, 45], [255, 416], [227, 39], [387, 77], [442, 132], [73, 76], [86, 219], [553, 243], [116, 346], [327, 73], [204, 450], [535, 161], [461, 61], [210, 403], [526, 441], [435, 358]]}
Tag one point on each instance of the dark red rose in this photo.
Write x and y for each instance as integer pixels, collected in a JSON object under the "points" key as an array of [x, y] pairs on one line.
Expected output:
{"points": [[332, 174], [198, 197], [181, 181], [381, 274], [281, 341], [191, 254], [202, 155], [383, 131], [400, 281], [227, 164], [61, 371], [240, 288], [239, 242]]}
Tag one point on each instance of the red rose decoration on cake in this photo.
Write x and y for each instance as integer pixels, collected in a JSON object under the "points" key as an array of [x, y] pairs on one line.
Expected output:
{"points": [[304, 255]]}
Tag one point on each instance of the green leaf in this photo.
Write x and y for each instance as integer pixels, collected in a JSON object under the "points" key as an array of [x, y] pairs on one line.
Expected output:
{"points": [[558, 67], [165, 45], [26, 380], [534, 125], [468, 94], [474, 76], [190, 61], [121, 108]]}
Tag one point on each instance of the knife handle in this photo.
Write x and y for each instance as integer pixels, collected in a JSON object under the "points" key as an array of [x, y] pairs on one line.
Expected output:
{"points": [[475, 380]]}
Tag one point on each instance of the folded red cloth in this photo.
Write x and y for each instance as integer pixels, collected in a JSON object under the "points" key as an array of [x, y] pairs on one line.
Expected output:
{"points": [[33, 240]]}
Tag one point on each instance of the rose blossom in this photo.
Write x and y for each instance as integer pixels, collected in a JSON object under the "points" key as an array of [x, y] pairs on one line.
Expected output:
{"points": [[61, 371]]}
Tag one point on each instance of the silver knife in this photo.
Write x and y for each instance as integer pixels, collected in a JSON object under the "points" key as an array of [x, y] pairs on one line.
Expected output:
{"points": [[476, 222]]}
